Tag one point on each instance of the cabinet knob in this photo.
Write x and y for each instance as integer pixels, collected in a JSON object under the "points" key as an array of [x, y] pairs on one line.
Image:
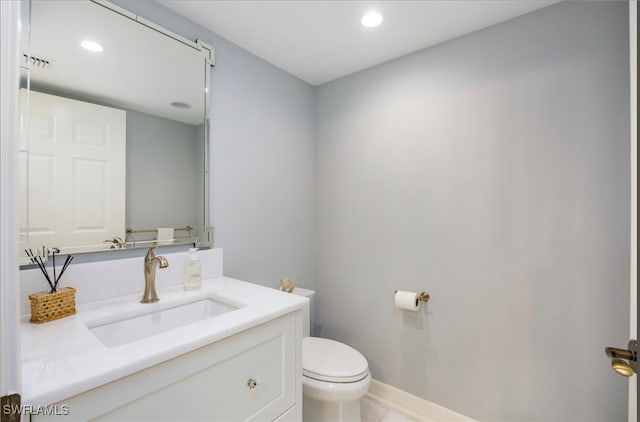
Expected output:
{"points": [[253, 384]]}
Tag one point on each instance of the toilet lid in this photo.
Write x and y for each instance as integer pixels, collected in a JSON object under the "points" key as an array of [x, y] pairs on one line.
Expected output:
{"points": [[332, 361]]}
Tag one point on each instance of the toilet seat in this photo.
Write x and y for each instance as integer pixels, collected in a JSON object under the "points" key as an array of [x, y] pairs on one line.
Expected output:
{"points": [[331, 361]]}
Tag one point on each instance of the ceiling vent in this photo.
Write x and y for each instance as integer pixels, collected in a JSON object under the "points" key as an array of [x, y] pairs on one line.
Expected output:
{"points": [[36, 62]]}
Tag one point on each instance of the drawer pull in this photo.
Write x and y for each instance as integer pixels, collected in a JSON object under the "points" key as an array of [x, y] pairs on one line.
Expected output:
{"points": [[253, 384]]}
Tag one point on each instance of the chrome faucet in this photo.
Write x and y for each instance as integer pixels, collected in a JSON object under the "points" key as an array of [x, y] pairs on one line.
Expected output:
{"points": [[151, 263]]}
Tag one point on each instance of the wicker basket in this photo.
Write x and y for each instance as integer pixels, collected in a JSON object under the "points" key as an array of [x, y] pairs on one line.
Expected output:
{"points": [[47, 306]]}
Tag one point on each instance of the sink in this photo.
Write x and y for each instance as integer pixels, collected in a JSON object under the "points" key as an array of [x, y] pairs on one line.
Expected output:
{"points": [[127, 330]]}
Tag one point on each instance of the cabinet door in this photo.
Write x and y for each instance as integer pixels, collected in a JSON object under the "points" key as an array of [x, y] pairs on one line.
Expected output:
{"points": [[252, 375], [250, 385]]}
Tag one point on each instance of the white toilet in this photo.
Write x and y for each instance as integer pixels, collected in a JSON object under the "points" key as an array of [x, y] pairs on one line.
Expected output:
{"points": [[334, 376]]}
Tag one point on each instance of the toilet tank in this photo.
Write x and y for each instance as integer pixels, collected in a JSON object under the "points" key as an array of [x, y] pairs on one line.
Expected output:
{"points": [[306, 313]]}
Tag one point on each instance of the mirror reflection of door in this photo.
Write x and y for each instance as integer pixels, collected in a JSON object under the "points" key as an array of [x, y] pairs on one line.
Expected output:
{"points": [[160, 81], [75, 193]]}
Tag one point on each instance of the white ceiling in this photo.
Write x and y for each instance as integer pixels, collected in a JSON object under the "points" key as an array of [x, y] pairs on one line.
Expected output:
{"points": [[319, 41], [128, 74]]}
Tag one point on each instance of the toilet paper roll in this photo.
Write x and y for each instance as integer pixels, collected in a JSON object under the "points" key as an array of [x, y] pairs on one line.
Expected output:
{"points": [[407, 301]]}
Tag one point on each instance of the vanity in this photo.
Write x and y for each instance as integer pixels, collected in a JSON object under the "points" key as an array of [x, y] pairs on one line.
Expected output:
{"points": [[230, 351]]}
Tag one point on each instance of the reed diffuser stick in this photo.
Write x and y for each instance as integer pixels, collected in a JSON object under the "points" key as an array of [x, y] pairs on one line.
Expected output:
{"points": [[64, 266], [37, 259], [55, 279]]}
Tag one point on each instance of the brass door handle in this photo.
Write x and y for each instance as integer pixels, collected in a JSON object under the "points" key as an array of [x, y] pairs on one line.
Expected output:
{"points": [[118, 243], [624, 361]]}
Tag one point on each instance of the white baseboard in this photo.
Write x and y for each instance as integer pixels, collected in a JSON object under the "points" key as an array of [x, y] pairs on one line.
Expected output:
{"points": [[410, 405]]}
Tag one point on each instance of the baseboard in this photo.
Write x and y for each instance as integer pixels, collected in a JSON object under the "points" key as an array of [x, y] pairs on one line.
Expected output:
{"points": [[410, 405]]}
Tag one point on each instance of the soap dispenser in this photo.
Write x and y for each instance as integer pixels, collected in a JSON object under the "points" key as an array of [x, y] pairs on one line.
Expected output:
{"points": [[192, 271]]}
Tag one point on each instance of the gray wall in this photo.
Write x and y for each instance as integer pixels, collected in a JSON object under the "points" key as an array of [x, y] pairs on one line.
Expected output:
{"points": [[492, 171], [262, 159], [163, 187]]}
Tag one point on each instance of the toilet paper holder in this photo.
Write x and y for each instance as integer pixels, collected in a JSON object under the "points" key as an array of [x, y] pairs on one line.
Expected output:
{"points": [[422, 297]]}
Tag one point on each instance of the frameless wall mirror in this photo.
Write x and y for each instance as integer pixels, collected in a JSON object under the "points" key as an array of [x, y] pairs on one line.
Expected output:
{"points": [[113, 132]]}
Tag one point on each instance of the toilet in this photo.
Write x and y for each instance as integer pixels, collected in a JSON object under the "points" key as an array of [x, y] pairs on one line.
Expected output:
{"points": [[334, 376]]}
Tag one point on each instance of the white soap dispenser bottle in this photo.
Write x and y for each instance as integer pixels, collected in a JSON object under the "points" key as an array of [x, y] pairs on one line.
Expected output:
{"points": [[192, 271]]}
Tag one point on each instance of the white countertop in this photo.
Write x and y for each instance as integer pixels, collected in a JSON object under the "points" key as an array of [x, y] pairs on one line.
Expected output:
{"points": [[63, 358]]}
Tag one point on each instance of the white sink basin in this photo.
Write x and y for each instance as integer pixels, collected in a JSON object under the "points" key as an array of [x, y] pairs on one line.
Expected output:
{"points": [[156, 321]]}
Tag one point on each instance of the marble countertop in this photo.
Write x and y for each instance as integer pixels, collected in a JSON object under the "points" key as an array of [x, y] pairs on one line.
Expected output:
{"points": [[63, 358]]}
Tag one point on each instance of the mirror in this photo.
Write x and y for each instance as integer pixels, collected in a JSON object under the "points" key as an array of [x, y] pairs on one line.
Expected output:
{"points": [[113, 132]]}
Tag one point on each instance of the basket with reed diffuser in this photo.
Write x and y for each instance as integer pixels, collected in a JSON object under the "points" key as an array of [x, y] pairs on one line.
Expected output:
{"points": [[57, 302]]}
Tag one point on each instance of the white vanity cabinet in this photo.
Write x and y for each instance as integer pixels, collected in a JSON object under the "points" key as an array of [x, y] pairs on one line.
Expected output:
{"points": [[252, 375]]}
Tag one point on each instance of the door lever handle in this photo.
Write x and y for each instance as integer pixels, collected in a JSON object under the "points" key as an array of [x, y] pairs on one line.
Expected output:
{"points": [[118, 243], [614, 353], [624, 361]]}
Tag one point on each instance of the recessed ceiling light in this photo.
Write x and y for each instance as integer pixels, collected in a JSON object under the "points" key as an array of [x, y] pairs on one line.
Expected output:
{"points": [[180, 104], [91, 46], [371, 19]]}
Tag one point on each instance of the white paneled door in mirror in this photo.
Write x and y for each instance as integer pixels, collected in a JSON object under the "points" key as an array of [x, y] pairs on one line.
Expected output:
{"points": [[75, 194]]}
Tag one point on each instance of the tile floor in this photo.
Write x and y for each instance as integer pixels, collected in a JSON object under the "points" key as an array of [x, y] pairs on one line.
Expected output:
{"points": [[373, 411]]}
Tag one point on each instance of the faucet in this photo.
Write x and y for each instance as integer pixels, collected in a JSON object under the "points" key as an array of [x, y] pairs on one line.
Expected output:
{"points": [[151, 263]]}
